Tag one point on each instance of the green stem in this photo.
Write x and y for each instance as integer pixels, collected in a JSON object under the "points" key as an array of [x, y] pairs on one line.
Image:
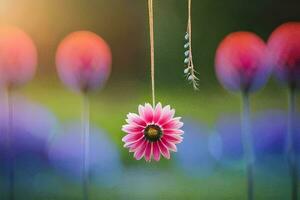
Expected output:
{"points": [[86, 145], [292, 160], [247, 144]]}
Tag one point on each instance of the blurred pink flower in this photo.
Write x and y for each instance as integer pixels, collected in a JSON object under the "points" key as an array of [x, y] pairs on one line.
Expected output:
{"points": [[152, 132], [18, 57], [83, 61], [240, 62], [284, 48]]}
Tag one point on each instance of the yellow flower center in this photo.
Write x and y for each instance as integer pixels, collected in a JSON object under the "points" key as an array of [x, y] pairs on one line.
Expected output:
{"points": [[153, 133]]}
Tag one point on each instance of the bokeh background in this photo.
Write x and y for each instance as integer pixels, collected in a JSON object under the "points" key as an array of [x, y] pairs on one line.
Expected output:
{"points": [[209, 164]]}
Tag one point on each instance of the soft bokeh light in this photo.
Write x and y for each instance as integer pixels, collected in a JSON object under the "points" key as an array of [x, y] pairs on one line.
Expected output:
{"points": [[193, 155], [228, 136], [83, 61], [240, 62], [284, 50], [270, 136], [32, 127], [66, 155], [18, 57]]}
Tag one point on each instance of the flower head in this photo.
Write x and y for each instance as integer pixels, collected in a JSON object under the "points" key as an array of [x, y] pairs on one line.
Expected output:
{"points": [[240, 62], [83, 61], [18, 57], [284, 50], [152, 132]]}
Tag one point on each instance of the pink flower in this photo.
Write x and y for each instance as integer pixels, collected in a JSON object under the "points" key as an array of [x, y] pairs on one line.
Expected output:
{"points": [[18, 57], [83, 61], [152, 132], [284, 50], [240, 62]]}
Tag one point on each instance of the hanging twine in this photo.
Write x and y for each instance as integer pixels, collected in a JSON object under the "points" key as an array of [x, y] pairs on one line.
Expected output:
{"points": [[190, 71], [151, 29]]}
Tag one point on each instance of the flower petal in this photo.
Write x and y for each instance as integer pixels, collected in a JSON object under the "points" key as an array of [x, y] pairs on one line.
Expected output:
{"points": [[156, 151], [140, 152], [141, 111], [134, 118], [129, 128], [167, 115], [148, 152], [173, 138], [133, 146], [169, 145], [163, 150], [157, 113], [148, 113], [173, 131], [174, 123], [132, 137]]}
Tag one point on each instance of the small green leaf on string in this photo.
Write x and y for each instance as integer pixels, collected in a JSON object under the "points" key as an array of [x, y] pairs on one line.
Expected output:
{"points": [[189, 70]]}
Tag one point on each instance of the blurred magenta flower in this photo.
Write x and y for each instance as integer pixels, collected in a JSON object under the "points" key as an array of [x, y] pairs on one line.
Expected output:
{"points": [[83, 61], [240, 62], [65, 154], [18, 57], [153, 132], [284, 48]]}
